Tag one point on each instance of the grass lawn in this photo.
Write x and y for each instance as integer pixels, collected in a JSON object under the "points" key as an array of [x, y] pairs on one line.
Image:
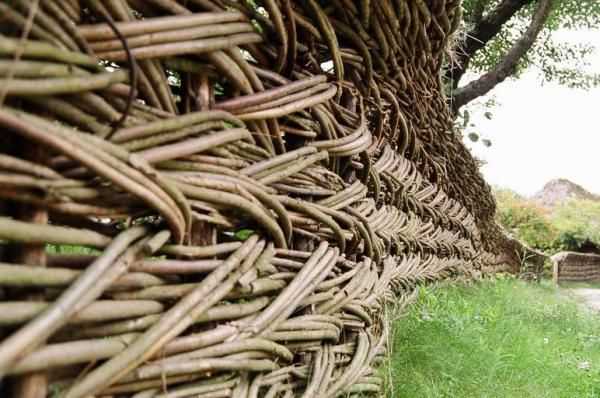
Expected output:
{"points": [[502, 338], [580, 285]]}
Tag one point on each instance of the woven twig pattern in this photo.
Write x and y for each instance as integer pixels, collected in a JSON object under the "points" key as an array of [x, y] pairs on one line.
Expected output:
{"points": [[257, 180], [579, 267]]}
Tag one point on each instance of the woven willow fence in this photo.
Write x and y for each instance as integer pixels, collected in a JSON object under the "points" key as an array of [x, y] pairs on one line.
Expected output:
{"points": [[216, 198], [575, 267]]}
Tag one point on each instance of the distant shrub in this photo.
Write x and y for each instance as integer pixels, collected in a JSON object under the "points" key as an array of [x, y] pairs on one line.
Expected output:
{"points": [[526, 220], [573, 225], [578, 223]]}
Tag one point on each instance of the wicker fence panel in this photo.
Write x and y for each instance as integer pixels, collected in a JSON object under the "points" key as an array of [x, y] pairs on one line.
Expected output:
{"points": [[576, 267], [252, 182]]}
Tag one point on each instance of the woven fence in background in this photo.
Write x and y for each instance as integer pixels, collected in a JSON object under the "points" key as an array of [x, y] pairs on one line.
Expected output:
{"points": [[216, 198], [575, 267]]}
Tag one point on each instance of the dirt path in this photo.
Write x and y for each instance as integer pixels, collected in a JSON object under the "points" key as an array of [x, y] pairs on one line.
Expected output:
{"points": [[591, 297]]}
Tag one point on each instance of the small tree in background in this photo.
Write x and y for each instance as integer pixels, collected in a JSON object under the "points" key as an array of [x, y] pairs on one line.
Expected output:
{"points": [[525, 220], [578, 223], [573, 225]]}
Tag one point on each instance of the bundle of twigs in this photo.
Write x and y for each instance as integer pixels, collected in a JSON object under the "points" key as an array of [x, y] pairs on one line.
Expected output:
{"points": [[217, 198]]}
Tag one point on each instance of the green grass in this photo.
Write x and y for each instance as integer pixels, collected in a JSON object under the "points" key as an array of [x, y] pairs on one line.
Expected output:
{"points": [[502, 338], [70, 249], [579, 285]]}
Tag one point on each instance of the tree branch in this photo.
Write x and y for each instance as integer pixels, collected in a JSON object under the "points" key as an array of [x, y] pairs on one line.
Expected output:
{"points": [[509, 62], [485, 29]]}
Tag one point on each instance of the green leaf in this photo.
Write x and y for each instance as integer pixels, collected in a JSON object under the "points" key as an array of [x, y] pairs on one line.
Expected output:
{"points": [[486, 142], [473, 137], [488, 115], [466, 117], [243, 234]]}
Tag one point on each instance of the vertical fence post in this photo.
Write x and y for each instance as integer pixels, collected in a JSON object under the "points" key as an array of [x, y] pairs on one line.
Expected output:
{"points": [[30, 385]]}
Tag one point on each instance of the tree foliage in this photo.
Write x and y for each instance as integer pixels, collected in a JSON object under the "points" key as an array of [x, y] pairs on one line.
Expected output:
{"points": [[578, 222], [525, 220], [570, 226], [493, 27]]}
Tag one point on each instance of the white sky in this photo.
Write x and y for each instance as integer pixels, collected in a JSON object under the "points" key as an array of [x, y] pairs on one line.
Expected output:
{"points": [[540, 132]]}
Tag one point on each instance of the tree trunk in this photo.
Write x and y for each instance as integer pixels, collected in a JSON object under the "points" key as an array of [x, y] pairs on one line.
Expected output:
{"points": [[485, 29], [507, 65]]}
